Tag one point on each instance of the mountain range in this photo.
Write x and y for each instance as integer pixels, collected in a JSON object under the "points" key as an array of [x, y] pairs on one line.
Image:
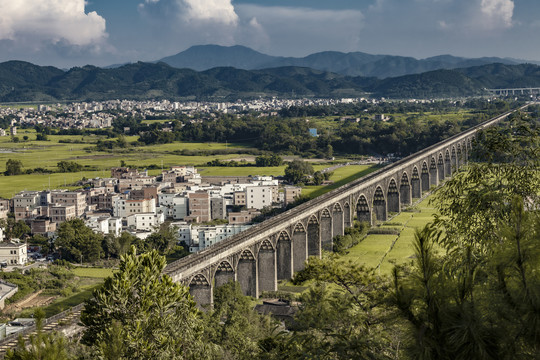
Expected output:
{"points": [[22, 81], [204, 57]]}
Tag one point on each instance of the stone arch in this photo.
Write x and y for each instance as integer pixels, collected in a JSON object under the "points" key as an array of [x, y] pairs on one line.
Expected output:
{"points": [[266, 266], [392, 197], [337, 220], [300, 247], [459, 159], [405, 194], [363, 211], [379, 205], [224, 274], [415, 183], [440, 166], [247, 273], [433, 177], [347, 221], [314, 236], [424, 177], [201, 290], [326, 230], [464, 152], [447, 164], [284, 256], [453, 158]]}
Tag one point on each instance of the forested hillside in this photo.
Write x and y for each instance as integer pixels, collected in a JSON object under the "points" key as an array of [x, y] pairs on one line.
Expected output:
{"points": [[21, 81]]}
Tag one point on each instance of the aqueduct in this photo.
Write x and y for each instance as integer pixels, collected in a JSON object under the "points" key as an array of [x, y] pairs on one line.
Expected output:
{"points": [[277, 248]]}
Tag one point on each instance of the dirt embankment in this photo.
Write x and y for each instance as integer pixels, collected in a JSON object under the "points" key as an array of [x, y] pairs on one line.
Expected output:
{"points": [[32, 300]]}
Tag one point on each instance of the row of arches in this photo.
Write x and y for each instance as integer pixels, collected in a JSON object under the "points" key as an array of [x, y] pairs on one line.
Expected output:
{"points": [[259, 267]]}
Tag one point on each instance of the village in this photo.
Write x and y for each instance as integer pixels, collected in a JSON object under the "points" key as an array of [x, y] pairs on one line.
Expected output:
{"points": [[205, 210]]}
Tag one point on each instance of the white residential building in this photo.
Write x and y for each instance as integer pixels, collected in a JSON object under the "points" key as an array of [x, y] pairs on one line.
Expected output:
{"points": [[201, 237], [98, 224], [125, 207], [14, 252], [257, 197], [27, 198], [145, 221], [174, 205], [115, 225]]}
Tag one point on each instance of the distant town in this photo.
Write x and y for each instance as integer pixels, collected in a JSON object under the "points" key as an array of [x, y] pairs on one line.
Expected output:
{"points": [[102, 114]]}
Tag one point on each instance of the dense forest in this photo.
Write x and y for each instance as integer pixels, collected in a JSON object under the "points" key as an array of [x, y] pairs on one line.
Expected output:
{"points": [[471, 292], [21, 81]]}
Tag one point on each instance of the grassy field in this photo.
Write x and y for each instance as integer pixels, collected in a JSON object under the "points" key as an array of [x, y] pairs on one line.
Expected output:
{"points": [[81, 149], [385, 251], [99, 273], [11, 185], [46, 154]]}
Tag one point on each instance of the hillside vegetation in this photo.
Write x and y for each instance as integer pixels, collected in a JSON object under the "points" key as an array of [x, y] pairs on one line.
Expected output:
{"points": [[21, 81]]}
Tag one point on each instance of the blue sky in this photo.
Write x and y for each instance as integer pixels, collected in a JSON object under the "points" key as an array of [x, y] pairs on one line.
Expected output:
{"points": [[67, 33]]}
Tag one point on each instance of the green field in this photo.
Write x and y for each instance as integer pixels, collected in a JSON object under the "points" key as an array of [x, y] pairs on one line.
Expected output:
{"points": [[46, 154], [100, 273], [81, 149], [11, 185], [385, 251]]}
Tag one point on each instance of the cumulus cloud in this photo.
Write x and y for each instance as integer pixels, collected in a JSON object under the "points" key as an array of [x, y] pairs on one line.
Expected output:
{"points": [[191, 22], [50, 21], [497, 12], [193, 11], [220, 11]]}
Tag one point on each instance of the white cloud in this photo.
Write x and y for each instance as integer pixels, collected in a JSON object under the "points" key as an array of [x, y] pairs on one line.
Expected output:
{"points": [[216, 11], [497, 12], [35, 22]]}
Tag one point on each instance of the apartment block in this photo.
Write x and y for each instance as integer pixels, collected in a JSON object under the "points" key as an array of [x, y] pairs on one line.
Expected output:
{"points": [[75, 198], [290, 194], [258, 197], [145, 222], [126, 207], [218, 208], [243, 217], [61, 213], [199, 206], [43, 226]]}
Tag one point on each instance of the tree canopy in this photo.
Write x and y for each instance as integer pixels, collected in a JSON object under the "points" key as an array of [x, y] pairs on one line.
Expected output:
{"points": [[77, 242], [144, 314]]}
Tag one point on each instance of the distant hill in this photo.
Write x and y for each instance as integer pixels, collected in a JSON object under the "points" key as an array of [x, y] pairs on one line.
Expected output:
{"points": [[22, 81], [150, 81], [204, 57]]}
